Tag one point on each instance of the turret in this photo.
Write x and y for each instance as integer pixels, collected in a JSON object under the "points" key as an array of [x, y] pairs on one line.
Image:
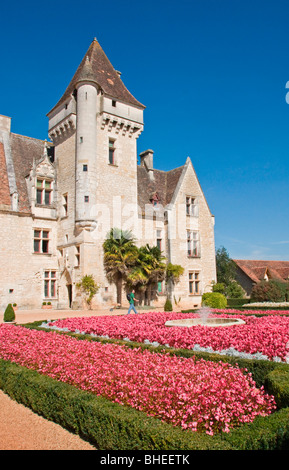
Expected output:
{"points": [[95, 112], [87, 104]]}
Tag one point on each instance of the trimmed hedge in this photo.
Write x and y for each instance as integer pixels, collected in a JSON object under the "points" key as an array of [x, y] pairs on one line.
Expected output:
{"points": [[9, 314], [214, 300], [234, 303], [265, 433], [107, 425]]}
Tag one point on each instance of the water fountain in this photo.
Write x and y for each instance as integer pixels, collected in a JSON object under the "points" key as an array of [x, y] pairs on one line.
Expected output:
{"points": [[205, 320]]}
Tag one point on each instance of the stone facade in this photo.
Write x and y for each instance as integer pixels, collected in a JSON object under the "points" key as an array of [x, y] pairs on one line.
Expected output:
{"points": [[58, 200]]}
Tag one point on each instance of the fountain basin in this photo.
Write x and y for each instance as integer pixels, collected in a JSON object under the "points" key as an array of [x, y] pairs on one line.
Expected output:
{"points": [[211, 322]]}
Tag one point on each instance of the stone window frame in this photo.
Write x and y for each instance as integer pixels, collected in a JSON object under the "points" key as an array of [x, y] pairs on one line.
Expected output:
{"points": [[159, 238], [65, 205], [112, 152], [77, 256], [50, 284], [194, 282], [193, 244], [42, 240], [44, 191], [192, 206]]}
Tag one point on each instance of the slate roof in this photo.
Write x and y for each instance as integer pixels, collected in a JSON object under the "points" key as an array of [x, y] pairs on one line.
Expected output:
{"points": [[164, 184], [98, 68], [24, 150], [256, 269]]}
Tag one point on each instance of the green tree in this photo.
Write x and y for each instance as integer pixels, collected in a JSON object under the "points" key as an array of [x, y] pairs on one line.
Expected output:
{"points": [[89, 287], [150, 268], [235, 291], [218, 287], [120, 256], [154, 267], [226, 268]]}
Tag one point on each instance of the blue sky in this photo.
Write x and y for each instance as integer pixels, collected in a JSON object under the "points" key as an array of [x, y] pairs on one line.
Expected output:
{"points": [[212, 75]]}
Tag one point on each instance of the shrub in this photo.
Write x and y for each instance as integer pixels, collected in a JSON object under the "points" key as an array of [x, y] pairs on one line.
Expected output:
{"points": [[168, 306], [214, 300], [9, 314], [237, 303], [89, 287], [219, 287], [235, 291], [270, 291]]}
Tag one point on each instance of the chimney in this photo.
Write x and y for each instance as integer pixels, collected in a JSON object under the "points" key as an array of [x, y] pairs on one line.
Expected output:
{"points": [[5, 123], [147, 161]]}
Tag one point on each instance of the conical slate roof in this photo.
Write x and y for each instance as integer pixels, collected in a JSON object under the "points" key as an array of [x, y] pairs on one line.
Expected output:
{"points": [[96, 67]]}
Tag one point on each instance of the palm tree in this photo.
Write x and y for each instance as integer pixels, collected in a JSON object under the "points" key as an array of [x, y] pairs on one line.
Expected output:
{"points": [[150, 269], [120, 255]]}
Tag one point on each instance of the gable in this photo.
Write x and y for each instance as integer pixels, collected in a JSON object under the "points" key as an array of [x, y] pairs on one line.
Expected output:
{"points": [[189, 185], [24, 151], [5, 200]]}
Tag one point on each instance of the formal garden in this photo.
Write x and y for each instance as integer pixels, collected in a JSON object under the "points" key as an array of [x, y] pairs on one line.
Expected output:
{"points": [[143, 382], [131, 382]]}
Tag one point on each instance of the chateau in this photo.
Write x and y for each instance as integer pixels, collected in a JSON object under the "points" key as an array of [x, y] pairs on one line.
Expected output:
{"points": [[59, 198]]}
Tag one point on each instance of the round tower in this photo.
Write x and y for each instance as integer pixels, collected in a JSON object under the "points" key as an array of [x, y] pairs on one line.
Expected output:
{"points": [[86, 114]]}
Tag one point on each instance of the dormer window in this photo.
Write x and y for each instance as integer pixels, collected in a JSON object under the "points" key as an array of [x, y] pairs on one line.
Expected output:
{"points": [[44, 192], [155, 200]]}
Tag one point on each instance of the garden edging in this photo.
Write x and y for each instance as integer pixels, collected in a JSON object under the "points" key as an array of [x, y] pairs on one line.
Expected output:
{"points": [[128, 429]]}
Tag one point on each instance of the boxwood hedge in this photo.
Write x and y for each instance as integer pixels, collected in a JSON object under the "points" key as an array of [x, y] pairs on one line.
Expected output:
{"points": [[110, 426]]}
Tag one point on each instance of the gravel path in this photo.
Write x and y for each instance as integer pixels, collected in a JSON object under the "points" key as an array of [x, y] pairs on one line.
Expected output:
{"points": [[21, 429]]}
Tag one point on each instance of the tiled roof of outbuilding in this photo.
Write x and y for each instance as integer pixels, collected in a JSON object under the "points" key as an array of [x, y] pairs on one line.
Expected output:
{"points": [[256, 269]]}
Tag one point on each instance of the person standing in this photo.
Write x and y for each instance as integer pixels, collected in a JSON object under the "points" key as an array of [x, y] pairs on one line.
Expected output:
{"points": [[131, 303]]}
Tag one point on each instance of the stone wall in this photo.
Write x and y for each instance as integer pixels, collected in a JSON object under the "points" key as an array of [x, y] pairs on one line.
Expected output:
{"points": [[203, 224], [22, 270]]}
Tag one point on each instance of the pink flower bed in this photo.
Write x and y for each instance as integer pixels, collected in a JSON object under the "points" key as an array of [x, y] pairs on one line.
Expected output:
{"points": [[196, 395], [267, 335]]}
